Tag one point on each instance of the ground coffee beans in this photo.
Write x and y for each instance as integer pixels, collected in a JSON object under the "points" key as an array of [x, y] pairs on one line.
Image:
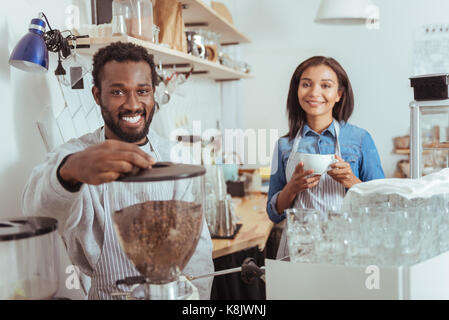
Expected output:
{"points": [[159, 237]]}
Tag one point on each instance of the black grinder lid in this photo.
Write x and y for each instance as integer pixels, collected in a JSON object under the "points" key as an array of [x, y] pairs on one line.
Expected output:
{"points": [[163, 171], [25, 227]]}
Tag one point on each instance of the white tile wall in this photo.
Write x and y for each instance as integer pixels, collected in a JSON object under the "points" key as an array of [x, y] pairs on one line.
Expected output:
{"points": [[72, 99], [92, 119], [77, 117], [80, 123], [49, 129], [65, 123], [85, 95], [198, 101]]}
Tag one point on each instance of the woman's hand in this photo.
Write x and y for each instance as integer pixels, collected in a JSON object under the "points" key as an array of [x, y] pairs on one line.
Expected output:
{"points": [[341, 172], [300, 181]]}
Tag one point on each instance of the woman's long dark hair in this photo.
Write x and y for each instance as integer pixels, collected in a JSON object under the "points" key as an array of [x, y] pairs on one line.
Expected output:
{"points": [[342, 110]]}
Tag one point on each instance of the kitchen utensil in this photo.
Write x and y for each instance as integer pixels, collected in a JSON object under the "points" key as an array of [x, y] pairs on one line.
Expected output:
{"points": [[195, 44], [158, 217], [249, 271], [77, 66], [219, 213], [225, 226], [28, 258]]}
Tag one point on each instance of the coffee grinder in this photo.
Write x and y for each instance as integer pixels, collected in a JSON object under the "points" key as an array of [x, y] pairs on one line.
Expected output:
{"points": [[158, 216]]}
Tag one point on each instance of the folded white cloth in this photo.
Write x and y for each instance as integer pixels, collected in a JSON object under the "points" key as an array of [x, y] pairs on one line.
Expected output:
{"points": [[380, 190]]}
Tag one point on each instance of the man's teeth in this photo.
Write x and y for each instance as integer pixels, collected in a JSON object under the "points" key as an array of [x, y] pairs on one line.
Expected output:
{"points": [[132, 119]]}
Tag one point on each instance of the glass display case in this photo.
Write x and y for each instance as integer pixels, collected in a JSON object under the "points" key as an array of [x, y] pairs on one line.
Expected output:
{"points": [[429, 137]]}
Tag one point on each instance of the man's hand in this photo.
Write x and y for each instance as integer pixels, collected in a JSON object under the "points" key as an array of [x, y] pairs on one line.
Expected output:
{"points": [[104, 163], [341, 172]]}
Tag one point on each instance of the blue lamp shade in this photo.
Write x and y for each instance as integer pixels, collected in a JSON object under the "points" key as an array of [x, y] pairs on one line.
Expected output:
{"points": [[31, 53]]}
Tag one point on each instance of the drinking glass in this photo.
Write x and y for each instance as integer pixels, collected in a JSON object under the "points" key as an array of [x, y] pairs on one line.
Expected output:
{"points": [[410, 236], [330, 245], [363, 240], [430, 220], [443, 230], [389, 235], [302, 230]]}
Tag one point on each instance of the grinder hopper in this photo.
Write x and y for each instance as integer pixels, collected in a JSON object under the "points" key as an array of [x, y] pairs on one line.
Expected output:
{"points": [[158, 217]]}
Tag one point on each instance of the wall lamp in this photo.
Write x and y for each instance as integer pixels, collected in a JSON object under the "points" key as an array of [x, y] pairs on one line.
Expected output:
{"points": [[31, 52]]}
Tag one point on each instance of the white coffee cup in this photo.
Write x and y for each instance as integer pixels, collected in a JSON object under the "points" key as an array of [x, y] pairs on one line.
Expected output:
{"points": [[319, 163]]}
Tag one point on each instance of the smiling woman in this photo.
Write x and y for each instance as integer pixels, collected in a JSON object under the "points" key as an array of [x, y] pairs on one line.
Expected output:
{"points": [[319, 104], [334, 78], [318, 92]]}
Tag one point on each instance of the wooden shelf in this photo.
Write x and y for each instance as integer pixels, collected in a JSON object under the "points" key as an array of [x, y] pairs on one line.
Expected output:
{"points": [[401, 151], [199, 13], [425, 150], [212, 70]]}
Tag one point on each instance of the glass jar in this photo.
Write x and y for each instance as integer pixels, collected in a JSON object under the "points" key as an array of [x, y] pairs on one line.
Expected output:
{"points": [[121, 11], [156, 31], [140, 22]]}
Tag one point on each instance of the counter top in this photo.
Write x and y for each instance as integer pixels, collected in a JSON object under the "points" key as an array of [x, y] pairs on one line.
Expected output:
{"points": [[255, 230]]}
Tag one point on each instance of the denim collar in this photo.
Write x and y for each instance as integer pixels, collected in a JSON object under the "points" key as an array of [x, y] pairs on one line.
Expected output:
{"points": [[330, 130]]}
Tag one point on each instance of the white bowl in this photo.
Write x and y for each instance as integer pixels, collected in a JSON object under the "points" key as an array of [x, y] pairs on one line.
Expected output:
{"points": [[319, 163]]}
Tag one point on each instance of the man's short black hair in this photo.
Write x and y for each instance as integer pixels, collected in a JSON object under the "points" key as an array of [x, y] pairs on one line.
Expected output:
{"points": [[120, 52]]}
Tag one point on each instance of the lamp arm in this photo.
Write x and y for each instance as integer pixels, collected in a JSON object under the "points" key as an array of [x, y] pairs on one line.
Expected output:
{"points": [[45, 17]]}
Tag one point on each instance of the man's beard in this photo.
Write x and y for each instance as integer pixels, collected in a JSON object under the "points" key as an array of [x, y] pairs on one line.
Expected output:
{"points": [[131, 137]]}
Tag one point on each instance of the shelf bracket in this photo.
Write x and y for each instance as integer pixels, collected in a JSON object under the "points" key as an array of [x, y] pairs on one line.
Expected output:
{"points": [[196, 24], [197, 72], [230, 43], [176, 65], [225, 80]]}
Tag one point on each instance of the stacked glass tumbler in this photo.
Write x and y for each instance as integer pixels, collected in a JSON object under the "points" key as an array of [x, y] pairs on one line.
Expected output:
{"points": [[383, 230]]}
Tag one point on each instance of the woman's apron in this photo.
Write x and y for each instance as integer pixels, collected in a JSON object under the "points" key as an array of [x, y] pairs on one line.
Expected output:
{"points": [[113, 264], [328, 193]]}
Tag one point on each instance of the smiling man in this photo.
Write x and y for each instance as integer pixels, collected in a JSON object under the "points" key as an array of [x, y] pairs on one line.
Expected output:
{"points": [[70, 184]]}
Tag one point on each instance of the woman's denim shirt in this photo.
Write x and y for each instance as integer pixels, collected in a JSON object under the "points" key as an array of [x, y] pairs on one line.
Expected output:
{"points": [[357, 148]]}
